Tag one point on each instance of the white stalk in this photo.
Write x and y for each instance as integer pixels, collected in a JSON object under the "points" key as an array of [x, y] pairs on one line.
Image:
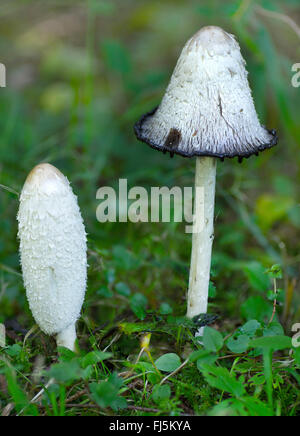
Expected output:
{"points": [[205, 179], [67, 337]]}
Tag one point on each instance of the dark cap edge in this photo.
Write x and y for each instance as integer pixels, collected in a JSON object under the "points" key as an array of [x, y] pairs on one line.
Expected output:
{"points": [[172, 151]]}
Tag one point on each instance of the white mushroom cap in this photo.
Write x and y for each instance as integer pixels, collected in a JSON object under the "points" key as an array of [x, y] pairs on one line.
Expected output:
{"points": [[52, 248], [207, 109]]}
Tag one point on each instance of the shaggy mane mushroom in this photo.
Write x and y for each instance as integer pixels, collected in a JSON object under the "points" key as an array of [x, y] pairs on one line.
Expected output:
{"points": [[53, 252], [207, 112]]}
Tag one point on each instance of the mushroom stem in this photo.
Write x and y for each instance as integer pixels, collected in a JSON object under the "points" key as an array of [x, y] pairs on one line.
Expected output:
{"points": [[205, 184], [67, 337]]}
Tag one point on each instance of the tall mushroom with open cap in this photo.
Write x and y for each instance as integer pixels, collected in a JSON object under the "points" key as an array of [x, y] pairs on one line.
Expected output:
{"points": [[206, 112], [53, 252]]}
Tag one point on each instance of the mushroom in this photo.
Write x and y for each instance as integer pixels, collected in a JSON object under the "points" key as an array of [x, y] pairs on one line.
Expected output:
{"points": [[207, 112], [53, 252]]}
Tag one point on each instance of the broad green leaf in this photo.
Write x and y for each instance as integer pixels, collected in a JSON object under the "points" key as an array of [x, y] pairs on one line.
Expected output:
{"points": [[272, 343], [66, 372], [297, 355], [13, 350], [199, 354], [245, 406], [228, 407], [250, 327], [65, 354], [256, 407], [212, 339], [238, 345], [116, 380], [153, 377], [161, 393], [106, 393], [207, 358], [273, 329], [220, 378], [168, 362]]}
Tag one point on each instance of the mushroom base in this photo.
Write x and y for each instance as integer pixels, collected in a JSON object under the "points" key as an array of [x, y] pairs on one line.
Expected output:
{"points": [[66, 338]]}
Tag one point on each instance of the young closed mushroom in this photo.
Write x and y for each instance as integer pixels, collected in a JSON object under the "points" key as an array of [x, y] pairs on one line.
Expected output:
{"points": [[53, 252], [207, 112]]}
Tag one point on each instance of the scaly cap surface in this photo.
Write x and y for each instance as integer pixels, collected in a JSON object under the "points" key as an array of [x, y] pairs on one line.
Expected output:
{"points": [[52, 249], [207, 109]]}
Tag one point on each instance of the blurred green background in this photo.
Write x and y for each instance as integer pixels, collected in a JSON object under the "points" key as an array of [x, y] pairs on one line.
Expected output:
{"points": [[79, 74]]}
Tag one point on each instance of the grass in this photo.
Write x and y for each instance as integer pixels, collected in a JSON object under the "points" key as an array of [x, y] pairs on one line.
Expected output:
{"points": [[74, 92]]}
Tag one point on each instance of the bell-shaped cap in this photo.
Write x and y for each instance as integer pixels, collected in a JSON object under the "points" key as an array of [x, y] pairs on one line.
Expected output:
{"points": [[207, 109]]}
